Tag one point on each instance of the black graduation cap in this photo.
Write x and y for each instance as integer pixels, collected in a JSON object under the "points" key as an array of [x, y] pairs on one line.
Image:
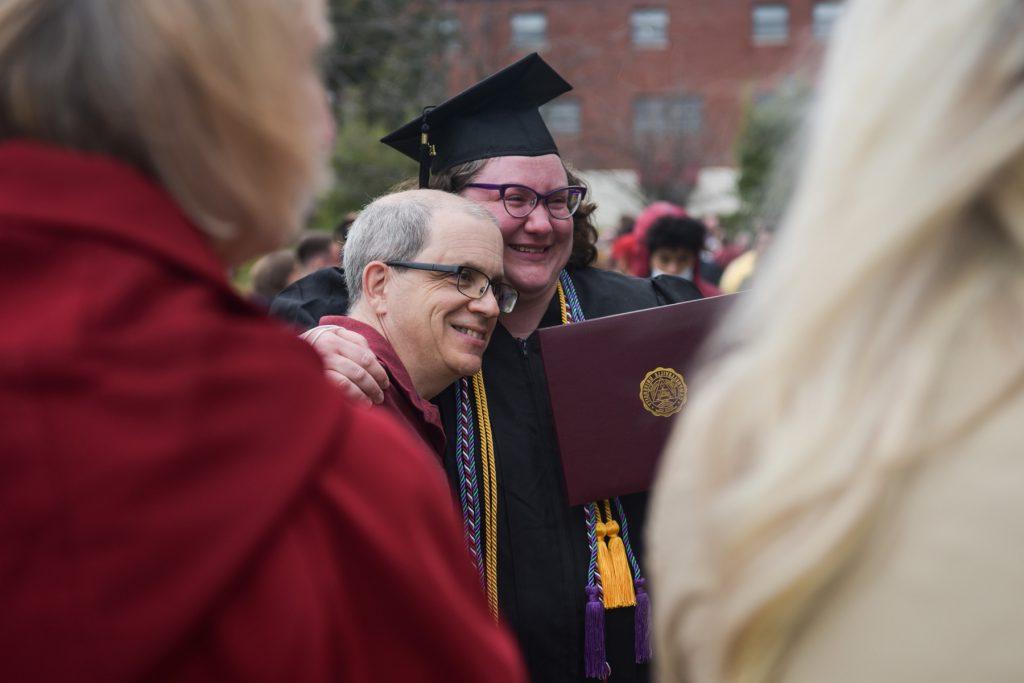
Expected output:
{"points": [[496, 117]]}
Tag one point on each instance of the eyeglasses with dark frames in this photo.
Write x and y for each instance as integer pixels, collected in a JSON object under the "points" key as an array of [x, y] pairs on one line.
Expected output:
{"points": [[469, 281], [520, 200]]}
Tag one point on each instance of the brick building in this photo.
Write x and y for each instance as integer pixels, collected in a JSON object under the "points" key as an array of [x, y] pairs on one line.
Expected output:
{"points": [[660, 86]]}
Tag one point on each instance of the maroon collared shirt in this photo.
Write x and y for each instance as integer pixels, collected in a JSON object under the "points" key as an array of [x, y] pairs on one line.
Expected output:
{"points": [[400, 398]]}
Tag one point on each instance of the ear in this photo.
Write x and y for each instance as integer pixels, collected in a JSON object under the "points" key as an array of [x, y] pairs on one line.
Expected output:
{"points": [[375, 280]]}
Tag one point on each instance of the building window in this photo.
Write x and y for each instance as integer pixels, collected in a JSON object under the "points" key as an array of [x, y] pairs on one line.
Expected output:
{"points": [[668, 115], [770, 24], [563, 117], [449, 30], [649, 28], [825, 16], [530, 29]]}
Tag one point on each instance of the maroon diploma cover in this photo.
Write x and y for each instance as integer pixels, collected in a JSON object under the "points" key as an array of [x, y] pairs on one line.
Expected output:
{"points": [[616, 385]]}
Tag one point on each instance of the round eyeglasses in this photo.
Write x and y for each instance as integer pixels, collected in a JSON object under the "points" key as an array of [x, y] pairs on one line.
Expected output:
{"points": [[520, 200], [469, 281]]}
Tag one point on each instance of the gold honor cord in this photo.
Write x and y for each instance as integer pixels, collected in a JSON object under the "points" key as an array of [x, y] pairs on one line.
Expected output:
{"points": [[490, 476], [490, 485], [562, 305]]}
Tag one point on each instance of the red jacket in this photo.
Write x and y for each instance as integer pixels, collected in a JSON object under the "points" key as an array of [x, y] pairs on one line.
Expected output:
{"points": [[182, 494]]}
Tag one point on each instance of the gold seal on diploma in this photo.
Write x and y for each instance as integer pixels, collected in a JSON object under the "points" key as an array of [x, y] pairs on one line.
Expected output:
{"points": [[663, 392]]}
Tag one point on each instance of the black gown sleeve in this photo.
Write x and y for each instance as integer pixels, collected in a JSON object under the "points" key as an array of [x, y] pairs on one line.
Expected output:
{"points": [[308, 299], [670, 289]]}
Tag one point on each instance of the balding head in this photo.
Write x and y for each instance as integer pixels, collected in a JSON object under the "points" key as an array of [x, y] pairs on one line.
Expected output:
{"points": [[396, 227], [424, 268]]}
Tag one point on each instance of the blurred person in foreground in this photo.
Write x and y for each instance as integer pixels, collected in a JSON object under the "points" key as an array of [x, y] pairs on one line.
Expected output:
{"points": [[425, 284], [184, 496], [860, 520]]}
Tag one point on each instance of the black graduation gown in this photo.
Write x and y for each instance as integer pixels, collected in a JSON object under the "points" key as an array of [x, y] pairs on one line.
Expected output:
{"points": [[542, 547], [305, 301]]}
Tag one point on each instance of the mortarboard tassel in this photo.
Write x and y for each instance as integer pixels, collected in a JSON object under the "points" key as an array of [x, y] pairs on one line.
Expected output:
{"points": [[426, 150]]}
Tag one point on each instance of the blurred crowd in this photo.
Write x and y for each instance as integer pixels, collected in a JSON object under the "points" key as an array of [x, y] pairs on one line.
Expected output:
{"points": [[663, 239]]}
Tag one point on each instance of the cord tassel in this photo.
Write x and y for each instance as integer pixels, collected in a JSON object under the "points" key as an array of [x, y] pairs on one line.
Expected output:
{"points": [[642, 625], [595, 661], [621, 575]]}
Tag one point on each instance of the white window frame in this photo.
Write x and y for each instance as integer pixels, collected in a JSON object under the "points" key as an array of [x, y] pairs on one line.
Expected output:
{"points": [[649, 28], [667, 115], [563, 117], [525, 36], [824, 15], [765, 29]]}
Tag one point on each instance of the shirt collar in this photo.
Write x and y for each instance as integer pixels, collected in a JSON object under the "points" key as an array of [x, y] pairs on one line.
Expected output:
{"points": [[385, 352]]}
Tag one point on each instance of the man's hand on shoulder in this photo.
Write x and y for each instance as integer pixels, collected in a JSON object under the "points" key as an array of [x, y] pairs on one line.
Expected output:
{"points": [[349, 363]]}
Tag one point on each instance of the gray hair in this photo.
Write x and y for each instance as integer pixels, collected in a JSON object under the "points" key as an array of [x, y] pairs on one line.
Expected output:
{"points": [[395, 227]]}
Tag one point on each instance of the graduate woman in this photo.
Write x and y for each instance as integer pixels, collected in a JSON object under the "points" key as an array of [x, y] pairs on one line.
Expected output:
{"points": [[183, 496], [541, 561]]}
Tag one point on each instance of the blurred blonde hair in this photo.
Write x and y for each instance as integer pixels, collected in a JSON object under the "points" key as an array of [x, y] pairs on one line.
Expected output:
{"points": [[206, 96], [887, 323]]}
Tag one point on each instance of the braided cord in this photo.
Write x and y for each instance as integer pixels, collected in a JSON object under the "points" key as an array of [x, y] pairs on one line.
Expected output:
{"points": [[591, 514], [575, 312], [490, 485], [469, 491], [567, 295], [563, 309], [624, 534]]}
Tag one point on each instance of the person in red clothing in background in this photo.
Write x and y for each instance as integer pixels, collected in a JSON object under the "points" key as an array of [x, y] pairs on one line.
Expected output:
{"points": [[183, 495]]}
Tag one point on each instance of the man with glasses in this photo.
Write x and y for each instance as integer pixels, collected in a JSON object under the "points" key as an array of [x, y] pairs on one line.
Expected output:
{"points": [[424, 278]]}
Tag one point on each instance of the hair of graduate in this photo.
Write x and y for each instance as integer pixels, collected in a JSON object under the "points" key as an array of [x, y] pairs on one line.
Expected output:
{"points": [[395, 227], [312, 245], [200, 95], [676, 232], [584, 233], [908, 220], [271, 272]]}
